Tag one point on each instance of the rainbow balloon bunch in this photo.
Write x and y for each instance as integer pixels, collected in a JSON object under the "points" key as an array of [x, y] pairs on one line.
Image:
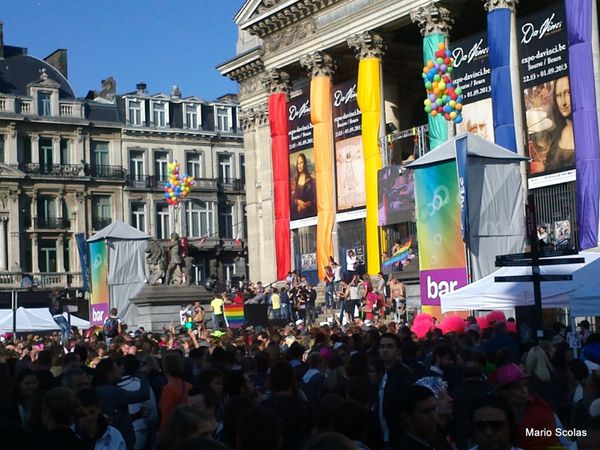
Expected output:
{"points": [[443, 97], [177, 186]]}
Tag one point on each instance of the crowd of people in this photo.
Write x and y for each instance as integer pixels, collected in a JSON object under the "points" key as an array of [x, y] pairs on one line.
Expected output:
{"points": [[348, 297], [357, 386]]}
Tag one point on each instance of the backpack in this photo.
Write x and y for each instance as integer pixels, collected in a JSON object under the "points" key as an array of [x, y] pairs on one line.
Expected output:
{"points": [[111, 327]]}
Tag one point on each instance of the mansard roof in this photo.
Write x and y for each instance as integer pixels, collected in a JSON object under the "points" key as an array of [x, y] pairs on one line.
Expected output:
{"points": [[18, 70]]}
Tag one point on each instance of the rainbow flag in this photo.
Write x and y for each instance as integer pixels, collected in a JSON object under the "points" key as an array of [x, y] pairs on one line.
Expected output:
{"points": [[400, 255], [234, 316]]}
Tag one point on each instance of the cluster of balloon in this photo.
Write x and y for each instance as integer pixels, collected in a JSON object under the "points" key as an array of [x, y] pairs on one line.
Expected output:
{"points": [[443, 96], [178, 185]]}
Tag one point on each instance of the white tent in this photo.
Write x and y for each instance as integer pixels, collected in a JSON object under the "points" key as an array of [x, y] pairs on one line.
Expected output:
{"points": [[35, 319], [127, 271], [488, 294]]}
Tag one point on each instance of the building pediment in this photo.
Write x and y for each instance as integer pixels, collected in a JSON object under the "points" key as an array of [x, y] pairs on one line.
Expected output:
{"points": [[7, 171], [263, 17]]}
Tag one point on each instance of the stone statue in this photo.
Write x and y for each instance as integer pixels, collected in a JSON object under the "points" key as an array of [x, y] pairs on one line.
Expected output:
{"points": [[173, 275], [188, 263], [156, 258]]}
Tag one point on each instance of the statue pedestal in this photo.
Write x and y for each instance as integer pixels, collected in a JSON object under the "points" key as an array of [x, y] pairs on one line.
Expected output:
{"points": [[159, 305]]}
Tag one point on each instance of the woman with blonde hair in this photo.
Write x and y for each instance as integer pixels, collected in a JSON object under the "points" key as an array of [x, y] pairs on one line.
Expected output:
{"points": [[542, 377]]}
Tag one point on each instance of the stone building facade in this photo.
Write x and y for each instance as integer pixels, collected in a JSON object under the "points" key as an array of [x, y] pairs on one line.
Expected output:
{"points": [[72, 165], [281, 44]]}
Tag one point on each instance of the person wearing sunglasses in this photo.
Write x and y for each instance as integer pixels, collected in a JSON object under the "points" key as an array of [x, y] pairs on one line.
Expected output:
{"points": [[493, 423]]}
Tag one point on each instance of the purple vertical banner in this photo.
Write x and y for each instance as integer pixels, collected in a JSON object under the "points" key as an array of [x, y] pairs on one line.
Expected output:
{"points": [[461, 168], [585, 123]]}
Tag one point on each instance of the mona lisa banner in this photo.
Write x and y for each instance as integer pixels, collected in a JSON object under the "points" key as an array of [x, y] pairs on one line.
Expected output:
{"points": [[547, 96], [281, 180], [99, 294], [303, 184]]}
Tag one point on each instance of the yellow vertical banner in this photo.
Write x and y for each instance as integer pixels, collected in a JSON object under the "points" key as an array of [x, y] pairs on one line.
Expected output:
{"points": [[321, 116], [369, 102]]}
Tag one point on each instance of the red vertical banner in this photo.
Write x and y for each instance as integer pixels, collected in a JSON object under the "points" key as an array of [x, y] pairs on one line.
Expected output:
{"points": [[278, 122]]}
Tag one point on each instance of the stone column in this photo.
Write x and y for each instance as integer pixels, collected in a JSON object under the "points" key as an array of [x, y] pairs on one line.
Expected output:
{"points": [[35, 148], [3, 252], [322, 67], [278, 85], [515, 139], [56, 150], [435, 23], [33, 207], [14, 231], [11, 156], [60, 253], [265, 194], [369, 49], [248, 124], [35, 265], [77, 150]]}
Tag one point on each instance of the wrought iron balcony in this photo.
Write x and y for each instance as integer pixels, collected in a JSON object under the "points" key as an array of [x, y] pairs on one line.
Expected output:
{"points": [[105, 171], [58, 170], [51, 223], [158, 182], [100, 222], [231, 184]]}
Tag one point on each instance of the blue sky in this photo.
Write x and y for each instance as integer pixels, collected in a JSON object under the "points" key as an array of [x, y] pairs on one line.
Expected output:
{"points": [[159, 42]]}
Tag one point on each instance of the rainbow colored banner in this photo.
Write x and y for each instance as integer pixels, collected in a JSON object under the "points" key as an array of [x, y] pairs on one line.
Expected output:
{"points": [[234, 315], [441, 249], [99, 294]]}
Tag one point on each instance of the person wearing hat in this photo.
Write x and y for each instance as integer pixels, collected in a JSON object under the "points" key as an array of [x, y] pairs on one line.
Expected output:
{"points": [[533, 415]]}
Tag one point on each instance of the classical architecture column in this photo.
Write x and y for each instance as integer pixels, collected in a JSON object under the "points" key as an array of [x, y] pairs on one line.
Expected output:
{"points": [[266, 214], [15, 227], [35, 265], [505, 77], [369, 49], [77, 151], [321, 67], [35, 148], [434, 22], [3, 246], [56, 150], [60, 253], [278, 85], [11, 146]]}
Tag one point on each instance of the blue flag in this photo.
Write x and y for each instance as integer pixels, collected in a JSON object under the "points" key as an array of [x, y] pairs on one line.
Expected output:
{"points": [[83, 257], [461, 167]]}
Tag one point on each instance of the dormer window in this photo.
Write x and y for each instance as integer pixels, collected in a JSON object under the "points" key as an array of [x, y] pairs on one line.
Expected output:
{"points": [[159, 115], [223, 118], [135, 112], [44, 103], [191, 117]]}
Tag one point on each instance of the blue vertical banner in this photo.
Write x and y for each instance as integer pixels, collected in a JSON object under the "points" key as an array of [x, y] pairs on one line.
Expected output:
{"points": [[462, 168], [83, 257], [499, 37]]}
